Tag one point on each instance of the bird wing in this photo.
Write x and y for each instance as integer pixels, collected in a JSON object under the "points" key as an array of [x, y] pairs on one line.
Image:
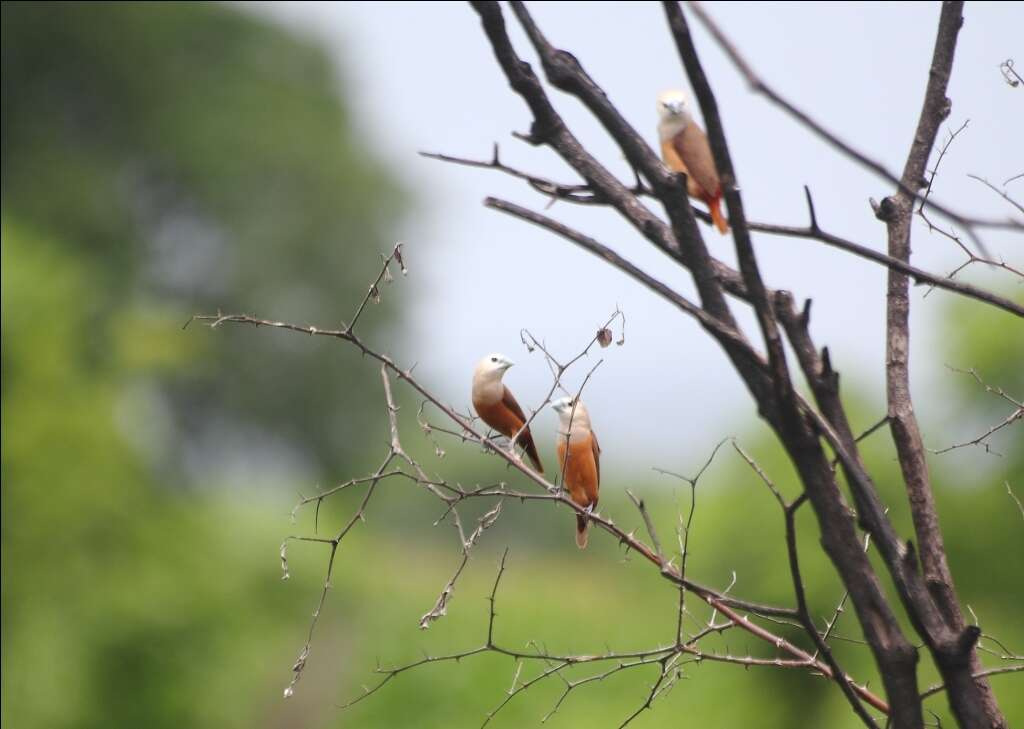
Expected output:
{"points": [[596, 447], [526, 439], [510, 402], [692, 147], [671, 157]]}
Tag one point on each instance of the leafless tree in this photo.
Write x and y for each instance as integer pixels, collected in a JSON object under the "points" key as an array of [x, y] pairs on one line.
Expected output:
{"points": [[816, 435]]}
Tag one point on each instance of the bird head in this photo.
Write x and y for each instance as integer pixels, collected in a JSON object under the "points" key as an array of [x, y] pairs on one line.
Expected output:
{"points": [[673, 105], [571, 410], [494, 365]]}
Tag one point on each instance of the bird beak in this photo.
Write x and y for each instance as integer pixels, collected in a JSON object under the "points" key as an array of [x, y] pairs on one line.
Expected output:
{"points": [[675, 107], [507, 363]]}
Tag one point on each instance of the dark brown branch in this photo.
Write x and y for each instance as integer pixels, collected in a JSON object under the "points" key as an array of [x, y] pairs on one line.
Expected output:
{"points": [[894, 654], [838, 675], [759, 297], [580, 194], [948, 639]]}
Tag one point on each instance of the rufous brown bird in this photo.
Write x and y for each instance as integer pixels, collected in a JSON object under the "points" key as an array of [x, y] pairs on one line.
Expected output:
{"points": [[685, 148], [497, 407], [579, 459]]}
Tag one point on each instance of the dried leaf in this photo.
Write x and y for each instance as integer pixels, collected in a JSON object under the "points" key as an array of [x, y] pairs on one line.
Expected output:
{"points": [[284, 560], [398, 257], [440, 608], [483, 523], [604, 336]]}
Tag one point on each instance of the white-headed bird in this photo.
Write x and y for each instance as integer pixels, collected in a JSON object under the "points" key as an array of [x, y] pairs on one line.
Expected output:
{"points": [[579, 458], [495, 405], [685, 148]]}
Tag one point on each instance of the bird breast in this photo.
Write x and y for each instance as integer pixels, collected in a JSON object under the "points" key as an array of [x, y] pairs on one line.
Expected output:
{"points": [[670, 128], [487, 389]]}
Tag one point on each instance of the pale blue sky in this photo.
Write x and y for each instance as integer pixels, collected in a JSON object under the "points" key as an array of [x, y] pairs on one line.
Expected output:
{"points": [[421, 76]]}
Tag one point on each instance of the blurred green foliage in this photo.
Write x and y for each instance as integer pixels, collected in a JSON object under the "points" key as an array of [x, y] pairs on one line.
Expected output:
{"points": [[200, 158], [167, 158]]}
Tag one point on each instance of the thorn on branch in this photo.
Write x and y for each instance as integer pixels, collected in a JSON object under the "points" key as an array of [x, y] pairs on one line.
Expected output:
{"points": [[885, 211], [805, 315], [810, 210], [969, 636], [910, 556]]}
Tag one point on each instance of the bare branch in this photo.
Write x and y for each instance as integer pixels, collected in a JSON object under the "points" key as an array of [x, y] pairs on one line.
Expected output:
{"points": [[647, 522], [1001, 193], [980, 674]]}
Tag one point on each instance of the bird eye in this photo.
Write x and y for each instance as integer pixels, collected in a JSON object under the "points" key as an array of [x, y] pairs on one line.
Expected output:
{"points": [[494, 359]]}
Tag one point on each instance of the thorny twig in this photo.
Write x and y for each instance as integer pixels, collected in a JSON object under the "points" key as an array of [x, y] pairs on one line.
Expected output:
{"points": [[452, 494], [982, 440], [932, 227]]}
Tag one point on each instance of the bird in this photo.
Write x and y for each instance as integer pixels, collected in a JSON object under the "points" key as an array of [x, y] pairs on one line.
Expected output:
{"points": [[579, 458], [497, 407], [685, 148]]}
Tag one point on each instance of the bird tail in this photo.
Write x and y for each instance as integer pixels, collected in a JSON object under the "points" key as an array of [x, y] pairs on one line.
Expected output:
{"points": [[582, 528], [527, 444], [715, 208]]}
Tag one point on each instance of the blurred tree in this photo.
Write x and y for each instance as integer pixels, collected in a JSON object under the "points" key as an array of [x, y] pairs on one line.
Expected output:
{"points": [[161, 159], [123, 605], [203, 158]]}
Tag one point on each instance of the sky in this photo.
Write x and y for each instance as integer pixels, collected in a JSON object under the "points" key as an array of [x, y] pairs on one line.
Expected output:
{"points": [[421, 76]]}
